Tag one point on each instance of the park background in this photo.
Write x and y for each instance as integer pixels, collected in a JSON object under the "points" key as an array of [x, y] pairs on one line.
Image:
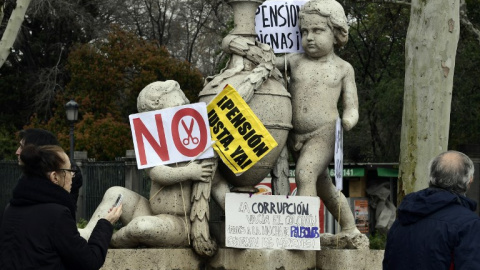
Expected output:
{"points": [[102, 53]]}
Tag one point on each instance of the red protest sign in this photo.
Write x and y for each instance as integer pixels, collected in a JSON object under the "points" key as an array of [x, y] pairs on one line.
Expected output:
{"points": [[171, 135]]}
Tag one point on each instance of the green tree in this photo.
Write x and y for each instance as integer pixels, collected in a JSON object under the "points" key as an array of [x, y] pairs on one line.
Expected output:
{"points": [[107, 75], [105, 79], [34, 71], [375, 49], [8, 144], [465, 113]]}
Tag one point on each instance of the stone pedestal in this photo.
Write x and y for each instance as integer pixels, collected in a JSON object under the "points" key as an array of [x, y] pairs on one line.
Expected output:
{"points": [[343, 259], [153, 259], [262, 259], [251, 259]]}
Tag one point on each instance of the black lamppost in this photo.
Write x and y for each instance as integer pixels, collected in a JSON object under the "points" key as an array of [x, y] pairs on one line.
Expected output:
{"points": [[71, 109]]}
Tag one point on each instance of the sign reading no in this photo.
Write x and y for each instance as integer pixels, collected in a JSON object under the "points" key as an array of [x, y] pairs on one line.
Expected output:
{"points": [[171, 135]]}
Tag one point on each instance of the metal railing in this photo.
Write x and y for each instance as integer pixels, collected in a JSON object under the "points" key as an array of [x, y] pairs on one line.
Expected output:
{"points": [[9, 173], [97, 178]]}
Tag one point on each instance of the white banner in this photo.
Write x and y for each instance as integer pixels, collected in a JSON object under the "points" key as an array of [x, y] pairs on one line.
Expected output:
{"points": [[339, 155], [272, 222], [276, 24], [171, 135]]}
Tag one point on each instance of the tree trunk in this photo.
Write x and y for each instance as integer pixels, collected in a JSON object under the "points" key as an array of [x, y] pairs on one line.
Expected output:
{"points": [[430, 51], [13, 26]]}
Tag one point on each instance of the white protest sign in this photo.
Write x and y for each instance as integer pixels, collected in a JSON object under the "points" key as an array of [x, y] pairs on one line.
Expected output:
{"points": [[272, 222], [276, 24], [339, 155], [171, 135]]}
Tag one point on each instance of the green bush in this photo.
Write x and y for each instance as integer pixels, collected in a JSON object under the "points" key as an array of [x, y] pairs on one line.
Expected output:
{"points": [[82, 223], [378, 240]]}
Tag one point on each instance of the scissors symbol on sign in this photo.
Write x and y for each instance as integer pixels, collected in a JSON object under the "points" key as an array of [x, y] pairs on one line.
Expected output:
{"points": [[189, 131]]}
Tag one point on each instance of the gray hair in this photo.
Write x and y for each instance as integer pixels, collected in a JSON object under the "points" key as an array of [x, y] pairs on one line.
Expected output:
{"points": [[452, 171]]}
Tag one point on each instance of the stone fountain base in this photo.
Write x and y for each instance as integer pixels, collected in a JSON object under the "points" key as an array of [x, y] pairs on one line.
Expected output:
{"points": [[251, 259]]}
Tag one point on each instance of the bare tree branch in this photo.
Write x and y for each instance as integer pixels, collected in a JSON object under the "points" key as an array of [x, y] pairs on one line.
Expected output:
{"points": [[11, 32], [2, 10], [466, 22], [406, 3], [47, 81]]}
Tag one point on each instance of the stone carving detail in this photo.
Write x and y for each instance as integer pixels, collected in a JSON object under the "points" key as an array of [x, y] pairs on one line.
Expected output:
{"points": [[177, 212], [251, 71]]}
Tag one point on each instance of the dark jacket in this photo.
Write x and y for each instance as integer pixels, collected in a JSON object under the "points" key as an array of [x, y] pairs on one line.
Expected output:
{"points": [[38, 231], [434, 227]]}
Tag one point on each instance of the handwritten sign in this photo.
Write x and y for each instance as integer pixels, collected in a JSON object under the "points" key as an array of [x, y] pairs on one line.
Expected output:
{"points": [[276, 24], [272, 222], [171, 135], [242, 140], [339, 155]]}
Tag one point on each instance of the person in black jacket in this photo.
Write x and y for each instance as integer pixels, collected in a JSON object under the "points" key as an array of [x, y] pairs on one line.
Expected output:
{"points": [[38, 229], [38, 137], [437, 228]]}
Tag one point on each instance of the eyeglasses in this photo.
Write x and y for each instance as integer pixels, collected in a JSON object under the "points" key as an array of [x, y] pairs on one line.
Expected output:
{"points": [[72, 171]]}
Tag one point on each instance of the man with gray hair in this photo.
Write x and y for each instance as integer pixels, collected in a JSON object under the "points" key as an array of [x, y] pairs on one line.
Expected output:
{"points": [[437, 228]]}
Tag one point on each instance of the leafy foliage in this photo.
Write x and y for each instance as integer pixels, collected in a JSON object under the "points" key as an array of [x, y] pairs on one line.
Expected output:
{"points": [[106, 78], [82, 223], [375, 49], [67, 51], [108, 75], [34, 71], [378, 240], [104, 138], [7, 145], [465, 112]]}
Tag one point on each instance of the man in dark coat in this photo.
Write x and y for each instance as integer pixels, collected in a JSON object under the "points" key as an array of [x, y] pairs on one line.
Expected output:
{"points": [[39, 137], [437, 228]]}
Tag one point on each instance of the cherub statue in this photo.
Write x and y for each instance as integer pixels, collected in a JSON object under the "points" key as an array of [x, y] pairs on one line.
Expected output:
{"points": [[251, 71], [177, 211], [318, 78]]}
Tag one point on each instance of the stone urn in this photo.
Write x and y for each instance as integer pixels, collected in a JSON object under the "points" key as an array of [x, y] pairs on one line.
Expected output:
{"points": [[252, 67]]}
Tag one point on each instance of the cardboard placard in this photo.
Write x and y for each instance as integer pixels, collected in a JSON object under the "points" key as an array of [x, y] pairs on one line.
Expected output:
{"points": [[241, 139], [272, 222], [276, 24]]}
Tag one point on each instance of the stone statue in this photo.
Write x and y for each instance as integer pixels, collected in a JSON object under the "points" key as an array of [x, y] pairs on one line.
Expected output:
{"points": [[251, 71], [318, 78], [176, 215], [177, 212]]}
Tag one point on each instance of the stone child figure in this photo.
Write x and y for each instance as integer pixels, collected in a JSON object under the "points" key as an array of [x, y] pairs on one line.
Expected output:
{"points": [[318, 78], [164, 220]]}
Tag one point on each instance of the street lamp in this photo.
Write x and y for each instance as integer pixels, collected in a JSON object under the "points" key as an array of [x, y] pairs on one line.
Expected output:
{"points": [[71, 109]]}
